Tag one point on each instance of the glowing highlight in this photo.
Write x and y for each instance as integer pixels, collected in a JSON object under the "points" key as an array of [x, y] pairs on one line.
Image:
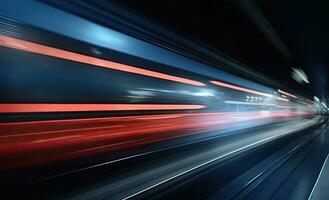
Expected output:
{"points": [[45, 107], [234, 87], [286, 93], [68, 55], [249, 103]]}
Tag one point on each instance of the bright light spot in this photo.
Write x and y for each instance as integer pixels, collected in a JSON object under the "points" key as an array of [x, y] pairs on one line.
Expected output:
{"points": [[316, 99], [205, 93], [324, 105], [286, 93], [249, 103], [299, 75]]}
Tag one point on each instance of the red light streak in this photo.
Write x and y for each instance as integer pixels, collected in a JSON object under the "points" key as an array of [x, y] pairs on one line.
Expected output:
{"points": [[67, 55], [54, 140], [234, 87], [286, 93], [44, 107], [281, 99]]}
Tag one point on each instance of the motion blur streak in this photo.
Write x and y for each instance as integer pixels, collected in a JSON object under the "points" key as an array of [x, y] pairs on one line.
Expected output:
{"points": [[286, 93], [48, 141], [284, 107], [240, 88], [44, 107], [249, 103], [281, 99], [63, 54], [99, 103], [246, 90]]}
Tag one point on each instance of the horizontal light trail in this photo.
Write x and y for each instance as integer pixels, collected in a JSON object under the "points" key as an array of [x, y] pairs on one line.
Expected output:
{"points": [[309, 100], [54, 140], [121, 118], [286, 93], [249, 103], [281, 99], [234, 87], [285, 106], [240, 88], [68, 55], [45, 107]]}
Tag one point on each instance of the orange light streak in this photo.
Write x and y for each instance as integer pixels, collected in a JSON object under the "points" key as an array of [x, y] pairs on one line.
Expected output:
{"points": [[68, 55], [44, 107], [234, 87], [286, 93]]}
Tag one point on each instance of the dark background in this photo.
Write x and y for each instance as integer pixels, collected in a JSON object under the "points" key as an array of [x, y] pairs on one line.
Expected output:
{"points": [[301, 26]]}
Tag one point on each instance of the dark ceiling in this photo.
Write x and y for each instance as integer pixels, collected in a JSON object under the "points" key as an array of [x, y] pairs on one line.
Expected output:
{"points": [[226, 26], [304, 27]]}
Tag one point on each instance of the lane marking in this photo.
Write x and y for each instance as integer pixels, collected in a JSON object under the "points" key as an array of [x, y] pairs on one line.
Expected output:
{"points": [[317, 180]]}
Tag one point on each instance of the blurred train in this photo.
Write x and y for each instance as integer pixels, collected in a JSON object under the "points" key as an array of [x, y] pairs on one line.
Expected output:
{"points": [[71, 87]]}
